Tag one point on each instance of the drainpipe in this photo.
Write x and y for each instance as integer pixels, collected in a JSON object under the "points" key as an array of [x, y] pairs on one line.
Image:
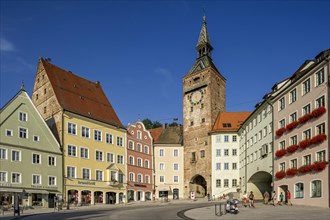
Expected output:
{"points": [[272, 143]]}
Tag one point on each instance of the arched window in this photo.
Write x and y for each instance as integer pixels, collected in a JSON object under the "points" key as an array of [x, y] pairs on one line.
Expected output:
{"points": [[131, 145], [139, 178], [131, 177], [146, 163], [131, 160], [299, 190], [316, 188], [139, 161]]}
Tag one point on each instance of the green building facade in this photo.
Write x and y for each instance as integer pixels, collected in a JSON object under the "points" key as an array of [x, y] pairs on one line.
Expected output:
{"points": [[30, 156]]}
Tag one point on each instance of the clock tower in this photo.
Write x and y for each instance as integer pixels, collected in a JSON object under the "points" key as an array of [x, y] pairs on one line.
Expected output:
{"points": [[204, 96]]}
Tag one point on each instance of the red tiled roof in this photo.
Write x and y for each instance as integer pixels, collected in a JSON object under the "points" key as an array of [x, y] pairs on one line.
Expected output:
{"points": [[155, 133], [229, 121], [80, 96]]}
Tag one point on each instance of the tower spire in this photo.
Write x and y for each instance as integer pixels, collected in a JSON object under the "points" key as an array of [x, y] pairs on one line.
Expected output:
{"points": [[204, 46]]}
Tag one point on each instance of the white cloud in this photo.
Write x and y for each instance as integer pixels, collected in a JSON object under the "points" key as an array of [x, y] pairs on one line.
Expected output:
{"points": [[6, 45]]}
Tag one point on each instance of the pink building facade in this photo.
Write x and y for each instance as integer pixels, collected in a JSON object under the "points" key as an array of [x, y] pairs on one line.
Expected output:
{"points": [[139, 163], [301, 137]]}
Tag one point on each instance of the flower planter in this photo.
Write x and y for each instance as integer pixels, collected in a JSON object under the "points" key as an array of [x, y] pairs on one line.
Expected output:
{"points": [[305, 118], [305, 143], [319, 138], [280, 153], [280, 174], [291, 171], [318, 112], [280, 131], [305, 169], [319, 165], [292, 148], [292, 126]]}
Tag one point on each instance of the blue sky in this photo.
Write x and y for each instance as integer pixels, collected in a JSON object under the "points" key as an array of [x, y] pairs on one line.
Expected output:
{"points": [[140, 50]]}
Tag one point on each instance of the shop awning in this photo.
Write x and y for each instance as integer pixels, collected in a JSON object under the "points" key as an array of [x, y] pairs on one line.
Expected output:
{"points": [[36, 191], [164, 188]]}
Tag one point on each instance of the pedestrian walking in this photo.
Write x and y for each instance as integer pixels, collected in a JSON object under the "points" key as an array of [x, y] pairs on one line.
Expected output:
{"points": [[288, 196], [274, 198], [281, 198], [245, 197], [251, 199], [266, 197]]}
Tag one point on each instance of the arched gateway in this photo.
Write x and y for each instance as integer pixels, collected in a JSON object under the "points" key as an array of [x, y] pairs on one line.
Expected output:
{"points": [[198, 185]]}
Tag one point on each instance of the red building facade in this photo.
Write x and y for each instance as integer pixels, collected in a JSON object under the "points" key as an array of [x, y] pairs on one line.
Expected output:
{"points": [[139, 163]]}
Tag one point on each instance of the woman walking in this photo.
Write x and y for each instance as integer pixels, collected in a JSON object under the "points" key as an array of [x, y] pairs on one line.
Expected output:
{"points": [[245, 197]]}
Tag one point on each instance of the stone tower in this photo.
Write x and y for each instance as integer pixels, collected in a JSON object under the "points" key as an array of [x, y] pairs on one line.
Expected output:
{"points": [[204, 96]]}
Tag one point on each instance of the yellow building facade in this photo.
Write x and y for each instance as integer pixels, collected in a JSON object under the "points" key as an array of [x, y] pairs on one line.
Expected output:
{"points": [[94, 161]]}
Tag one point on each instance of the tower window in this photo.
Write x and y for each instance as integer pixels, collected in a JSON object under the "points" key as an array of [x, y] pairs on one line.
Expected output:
{"points": [[203, 120], [196, 80], [191, 109], [191, 123]]}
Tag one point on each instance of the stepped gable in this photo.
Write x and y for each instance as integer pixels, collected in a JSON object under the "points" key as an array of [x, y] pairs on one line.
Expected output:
{"points": [[229, 121], [81, 96], [171, 135]]}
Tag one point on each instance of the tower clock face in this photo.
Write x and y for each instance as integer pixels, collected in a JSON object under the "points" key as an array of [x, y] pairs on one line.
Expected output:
{"points": [[196, 97]]}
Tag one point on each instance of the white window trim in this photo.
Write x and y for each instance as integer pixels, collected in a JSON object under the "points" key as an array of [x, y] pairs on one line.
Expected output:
{"points": [[39, 158], [11, 131], [54, 161], [89, 132], [6, 155], [6, 176], [36, 184], [102, 177], [26, 115], [27, 133], [75, 171], [82, 173], [75, 126], [20, 156], [55, 182], [82, 147], [96, 150], [20, 179]]}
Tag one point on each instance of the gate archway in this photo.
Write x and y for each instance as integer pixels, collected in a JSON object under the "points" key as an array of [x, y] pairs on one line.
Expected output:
{"points": [[199, 186]]}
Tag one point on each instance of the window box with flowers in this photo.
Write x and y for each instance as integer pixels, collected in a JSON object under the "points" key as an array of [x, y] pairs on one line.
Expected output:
{"points": [[291, 149], [305, 143], [319, 165], [319, 138], [280, 174], [305, 168], [291, 171], [280, 131], [280, 153], [292, 125], [305, 118], [318, 112]]}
